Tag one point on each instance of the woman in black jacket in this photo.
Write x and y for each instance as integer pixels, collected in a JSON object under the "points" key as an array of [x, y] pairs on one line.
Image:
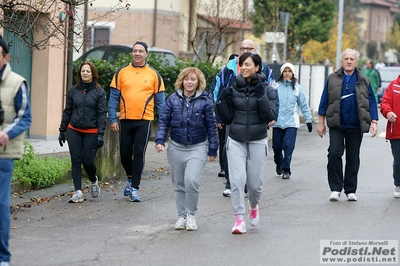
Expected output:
{"points": [[248, 106], [84, 121]]}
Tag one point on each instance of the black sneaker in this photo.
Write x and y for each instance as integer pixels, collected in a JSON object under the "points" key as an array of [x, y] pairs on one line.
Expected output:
{"points": [[286, 175], [279, 169], [221, 173]]}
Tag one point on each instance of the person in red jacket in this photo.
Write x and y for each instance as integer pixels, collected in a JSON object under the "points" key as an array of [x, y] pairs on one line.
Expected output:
{"points": [[390, 107]]}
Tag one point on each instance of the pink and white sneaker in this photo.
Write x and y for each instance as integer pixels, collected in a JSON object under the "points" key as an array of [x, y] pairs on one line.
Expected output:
{"points": [[254, 216], [240, 227]]}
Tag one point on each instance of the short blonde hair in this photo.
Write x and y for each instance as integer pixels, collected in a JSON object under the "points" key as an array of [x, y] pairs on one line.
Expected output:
{"points": [[189, 70]]}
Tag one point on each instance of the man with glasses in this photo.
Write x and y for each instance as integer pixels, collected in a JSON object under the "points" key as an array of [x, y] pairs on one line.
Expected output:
{"points": [[225, 79], [137, 88]]}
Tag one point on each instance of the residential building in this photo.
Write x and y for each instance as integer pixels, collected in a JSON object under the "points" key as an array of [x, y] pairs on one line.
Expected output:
{"points": [[378, 20]]}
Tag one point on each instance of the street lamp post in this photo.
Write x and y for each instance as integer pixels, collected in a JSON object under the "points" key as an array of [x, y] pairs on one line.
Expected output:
{"points": [[285, 16]]}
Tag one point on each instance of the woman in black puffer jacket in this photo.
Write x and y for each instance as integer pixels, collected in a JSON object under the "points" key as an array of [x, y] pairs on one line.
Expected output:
{"points": [[249, 107]]}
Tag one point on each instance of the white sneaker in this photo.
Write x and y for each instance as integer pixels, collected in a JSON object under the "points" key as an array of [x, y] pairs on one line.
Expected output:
{"points": [[254, 215], [396, 192], [227, 192], [76, 197], [180, 224], [351, 197], [239, 227], [191, 223], [95, 188], [334, 196]]}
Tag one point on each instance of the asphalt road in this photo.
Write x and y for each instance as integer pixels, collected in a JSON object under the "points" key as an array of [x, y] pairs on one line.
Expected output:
{"points": [[295, 215]]}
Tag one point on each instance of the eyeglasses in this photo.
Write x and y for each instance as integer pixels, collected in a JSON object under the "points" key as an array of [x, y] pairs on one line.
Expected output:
{"points": [[249, 49]]}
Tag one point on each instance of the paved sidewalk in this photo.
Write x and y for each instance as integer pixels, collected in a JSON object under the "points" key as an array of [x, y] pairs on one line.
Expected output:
{"points": [[154, 162], [47, 147]]}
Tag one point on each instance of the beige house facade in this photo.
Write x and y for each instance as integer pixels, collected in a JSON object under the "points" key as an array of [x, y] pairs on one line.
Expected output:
{"points": [[181, 26], [378, 16]]}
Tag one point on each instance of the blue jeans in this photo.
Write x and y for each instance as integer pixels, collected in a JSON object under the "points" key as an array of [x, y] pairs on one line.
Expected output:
{"points": [[6, 170]]}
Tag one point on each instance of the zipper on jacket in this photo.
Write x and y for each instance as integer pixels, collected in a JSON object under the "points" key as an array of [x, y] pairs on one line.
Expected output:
{"points": [[247, 118]]}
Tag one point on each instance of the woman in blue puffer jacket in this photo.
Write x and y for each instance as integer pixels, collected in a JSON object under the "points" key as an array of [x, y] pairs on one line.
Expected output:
{"points": [[290, 99], [189, 114]]}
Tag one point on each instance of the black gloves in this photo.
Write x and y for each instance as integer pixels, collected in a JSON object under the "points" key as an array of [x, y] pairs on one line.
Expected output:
{"points": [[259, 88], [61, 138], [224, 93], [100, 141], [309, 126]]}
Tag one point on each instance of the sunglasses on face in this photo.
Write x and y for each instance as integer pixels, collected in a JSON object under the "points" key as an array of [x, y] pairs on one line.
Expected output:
{"points": [[248, 49]]}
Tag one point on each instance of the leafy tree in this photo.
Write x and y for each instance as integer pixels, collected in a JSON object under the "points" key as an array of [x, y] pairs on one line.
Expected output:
{"points": [[312, 20], [393, 38], [314, 52]]}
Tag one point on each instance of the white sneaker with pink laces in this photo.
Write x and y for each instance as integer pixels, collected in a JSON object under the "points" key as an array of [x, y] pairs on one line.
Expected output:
{"points": [[240, 227], [254, 215]]}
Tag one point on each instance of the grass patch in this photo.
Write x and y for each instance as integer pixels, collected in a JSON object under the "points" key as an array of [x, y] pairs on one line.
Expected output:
{"points": [[39, 172]]}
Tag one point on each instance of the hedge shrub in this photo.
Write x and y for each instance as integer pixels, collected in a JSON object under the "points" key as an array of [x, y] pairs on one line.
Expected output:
{"points": [[39, 171], [169, 73]]}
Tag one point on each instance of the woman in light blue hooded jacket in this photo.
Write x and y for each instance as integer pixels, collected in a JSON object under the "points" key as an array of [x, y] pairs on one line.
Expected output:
{"points": [[290, 98]]}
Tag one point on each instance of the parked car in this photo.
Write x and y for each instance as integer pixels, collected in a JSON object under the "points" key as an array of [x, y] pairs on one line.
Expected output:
{"points": [[110, 53], [388, 74]]}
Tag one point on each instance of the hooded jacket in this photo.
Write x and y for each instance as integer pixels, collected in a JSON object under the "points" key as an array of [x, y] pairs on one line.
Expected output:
{"points": [[289, 103], [227, 77], [191, 120], [247, 115]]}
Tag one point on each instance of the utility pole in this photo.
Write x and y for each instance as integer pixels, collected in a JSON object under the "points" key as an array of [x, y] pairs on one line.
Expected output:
{"points": [[339, 38], [285, 16]]}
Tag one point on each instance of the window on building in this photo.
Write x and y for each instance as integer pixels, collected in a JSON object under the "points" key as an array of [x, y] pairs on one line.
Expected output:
{"points": [[385, 28], [377, 23], [99, 34]]}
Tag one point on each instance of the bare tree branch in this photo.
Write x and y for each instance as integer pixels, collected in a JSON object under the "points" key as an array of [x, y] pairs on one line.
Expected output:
{"points": [[35, 22], [213, 34]]}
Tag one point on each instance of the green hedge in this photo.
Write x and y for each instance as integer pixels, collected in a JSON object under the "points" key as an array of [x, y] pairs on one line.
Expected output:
{"points": [[169, 73], [37, 172]]}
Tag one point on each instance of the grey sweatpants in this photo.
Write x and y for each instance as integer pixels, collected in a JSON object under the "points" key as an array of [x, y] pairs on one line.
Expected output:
{"points": [[246, 162], [187, 165]]}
